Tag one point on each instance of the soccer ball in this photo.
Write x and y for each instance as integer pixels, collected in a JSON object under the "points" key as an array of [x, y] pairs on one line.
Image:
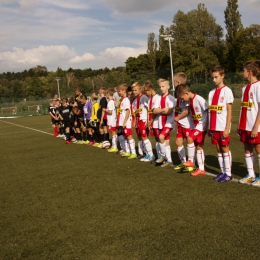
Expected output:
{"points": [[106, 145]]}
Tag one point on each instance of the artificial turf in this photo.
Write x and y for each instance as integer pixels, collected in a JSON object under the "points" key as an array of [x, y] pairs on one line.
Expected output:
{"points": [[73, 201]]}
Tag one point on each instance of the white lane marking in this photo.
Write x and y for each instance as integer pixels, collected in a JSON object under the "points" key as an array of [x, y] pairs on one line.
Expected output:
{"points": [[43, 132]]}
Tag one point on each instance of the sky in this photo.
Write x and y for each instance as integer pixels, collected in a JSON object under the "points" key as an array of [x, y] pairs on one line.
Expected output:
{"points": [[91, 33]]}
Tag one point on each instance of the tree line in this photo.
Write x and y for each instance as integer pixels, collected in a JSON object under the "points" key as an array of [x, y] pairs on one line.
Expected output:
{"points": [[199, 44]]}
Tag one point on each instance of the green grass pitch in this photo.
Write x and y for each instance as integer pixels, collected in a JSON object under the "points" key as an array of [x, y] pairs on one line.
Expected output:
{"points": [[62, 201]]}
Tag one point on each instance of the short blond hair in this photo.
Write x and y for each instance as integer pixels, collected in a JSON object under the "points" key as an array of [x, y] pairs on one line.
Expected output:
{"points": [[181, 77], [148, 85], [123, 87], [94, 96], [159, 81]]}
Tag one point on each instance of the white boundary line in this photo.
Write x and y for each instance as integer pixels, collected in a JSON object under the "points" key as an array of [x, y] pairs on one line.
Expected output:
{"points": [[33, 129]]}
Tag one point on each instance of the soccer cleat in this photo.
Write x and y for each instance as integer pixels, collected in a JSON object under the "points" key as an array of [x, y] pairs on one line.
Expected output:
{"points": [[73, 139], [161, 159], [198, 172], [87, 142], [178, 167], [126, 154], [112, 150], [91, 143], [167, 164], [247, 180], [219, 176], [67, 142], [99, 145], [132, 156], [148, 158], [79, 142], [140, 156], [121, 152], [55, 135], [225, 178], [188, 169], [256, 182], [188, 164]]}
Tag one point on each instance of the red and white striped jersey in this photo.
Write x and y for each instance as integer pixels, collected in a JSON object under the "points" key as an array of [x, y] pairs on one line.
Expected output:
{"points": [[167, 101], [111, 119], [141, 108], [182, 106], [151, 104], [218, 100], [249, 106], [199, 113], [123, 106]]}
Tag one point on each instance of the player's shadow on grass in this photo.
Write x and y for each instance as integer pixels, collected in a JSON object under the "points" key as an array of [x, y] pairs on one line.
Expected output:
{"points": [[212, 166]]}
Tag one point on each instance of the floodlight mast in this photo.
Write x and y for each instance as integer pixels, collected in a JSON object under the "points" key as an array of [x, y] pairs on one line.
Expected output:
{"points": [[168, 37], [58, 79]]}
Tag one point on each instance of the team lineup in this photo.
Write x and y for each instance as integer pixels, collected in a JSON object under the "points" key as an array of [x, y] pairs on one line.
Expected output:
{"points": [[118, 111]]}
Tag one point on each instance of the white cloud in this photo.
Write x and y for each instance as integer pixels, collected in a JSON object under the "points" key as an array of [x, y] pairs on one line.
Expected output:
{"points": [[62, 56], [81, 59]]}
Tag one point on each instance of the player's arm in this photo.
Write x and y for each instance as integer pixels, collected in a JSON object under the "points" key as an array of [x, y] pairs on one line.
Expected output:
{"points": [[254, 132], [127, 114], [182, 115], [228, 122]]}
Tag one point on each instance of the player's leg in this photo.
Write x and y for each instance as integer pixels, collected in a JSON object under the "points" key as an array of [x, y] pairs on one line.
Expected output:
{"points": [[257, 180]]}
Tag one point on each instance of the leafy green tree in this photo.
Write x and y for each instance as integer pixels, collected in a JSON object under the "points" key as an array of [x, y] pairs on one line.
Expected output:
{"points": [[233, 26]]}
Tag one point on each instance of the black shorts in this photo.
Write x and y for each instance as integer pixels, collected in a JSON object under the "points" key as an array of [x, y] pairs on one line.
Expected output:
{"points": [[53, 121], [67, 123], [104, 123]]}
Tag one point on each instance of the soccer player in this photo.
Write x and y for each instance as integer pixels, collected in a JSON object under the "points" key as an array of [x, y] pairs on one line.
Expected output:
{"points": [[94, 121], [66, 117], [184, 122], [219, 118], [111, 119], [104, 135], [87, 109], [153, 120], [124, 122], [52, 113], [195, 140], [249, 120], [141, 117], [165, 109]]}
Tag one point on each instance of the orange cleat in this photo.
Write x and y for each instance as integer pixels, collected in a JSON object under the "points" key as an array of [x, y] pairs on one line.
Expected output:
{"points": [[188, 164], [198, 172]]}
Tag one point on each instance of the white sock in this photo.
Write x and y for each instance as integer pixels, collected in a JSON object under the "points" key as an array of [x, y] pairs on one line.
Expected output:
{"points": [[221, 162], [114, 141], [200, 159], [148, 147], [191, 152], [168, 153], [227, 163], [250, 164], [127, 148], [181, 153], [158, 149], [162, 148], [122, 142], [140, 147], [132, 146]]}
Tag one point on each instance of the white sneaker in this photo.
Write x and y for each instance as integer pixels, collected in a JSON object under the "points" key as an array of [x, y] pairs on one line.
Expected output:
{"points": [[148, 158], [247, 180]]}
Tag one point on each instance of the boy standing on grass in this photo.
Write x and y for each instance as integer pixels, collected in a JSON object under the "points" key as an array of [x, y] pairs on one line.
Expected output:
{"points": [[195, 140], [165, 109], [66, 117], [153, 120], [184, 122], [249, 120], [111, 119], [87, 109], [94, 121], [220, 114], [54, 119], [124, 122], [141, 116]]}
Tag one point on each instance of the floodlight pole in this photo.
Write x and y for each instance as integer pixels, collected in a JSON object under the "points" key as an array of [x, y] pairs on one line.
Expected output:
{"points": [[58, 79], [168, 37]]}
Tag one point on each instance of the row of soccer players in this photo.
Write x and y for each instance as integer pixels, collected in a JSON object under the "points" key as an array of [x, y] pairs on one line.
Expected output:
{"points": [[192, 114]]}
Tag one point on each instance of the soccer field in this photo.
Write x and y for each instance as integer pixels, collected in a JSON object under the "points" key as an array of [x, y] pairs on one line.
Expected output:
{"points": [[73, 201]]}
